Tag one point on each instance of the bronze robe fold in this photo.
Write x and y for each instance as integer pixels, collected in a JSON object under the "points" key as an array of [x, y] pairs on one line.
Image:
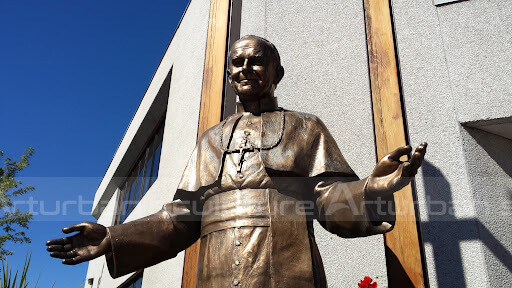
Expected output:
{"points": [[250, 191]]}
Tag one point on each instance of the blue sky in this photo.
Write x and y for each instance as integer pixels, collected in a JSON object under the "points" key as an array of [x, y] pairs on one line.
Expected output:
{"points": [[72, 74]]}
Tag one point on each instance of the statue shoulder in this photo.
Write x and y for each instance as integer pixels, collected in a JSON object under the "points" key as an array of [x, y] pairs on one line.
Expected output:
{"points": [[306, 119], [213, 134]]}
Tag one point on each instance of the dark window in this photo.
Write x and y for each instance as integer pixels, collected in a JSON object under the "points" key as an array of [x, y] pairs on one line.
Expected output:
{"points": [[142, 176], [134, 282], [156, 161]]}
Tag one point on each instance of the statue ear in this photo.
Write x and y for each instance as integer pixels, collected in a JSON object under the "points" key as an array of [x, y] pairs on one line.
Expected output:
{"points": [[279, 75], [229, 76]]}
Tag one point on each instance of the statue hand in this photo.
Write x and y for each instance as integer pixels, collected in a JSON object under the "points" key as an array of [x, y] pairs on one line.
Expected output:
{"points": [[91, 242], [391, 174]]}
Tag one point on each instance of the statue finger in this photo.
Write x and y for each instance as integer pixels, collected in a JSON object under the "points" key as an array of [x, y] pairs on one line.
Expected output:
{"points": [[59, 241], [399, 152], [63, 255], [421, 149], [423, 146], [56, 254], [73, 261], [416, 161], [55, 248], [417, 158], [59, 248], [73, 228]]}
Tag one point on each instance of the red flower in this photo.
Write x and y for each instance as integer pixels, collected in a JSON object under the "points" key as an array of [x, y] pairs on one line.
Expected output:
{"points": [[367, 283]]}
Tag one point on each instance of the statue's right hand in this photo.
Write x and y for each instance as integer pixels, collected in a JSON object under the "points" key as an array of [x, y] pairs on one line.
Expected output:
{"points": [[91, 242]]}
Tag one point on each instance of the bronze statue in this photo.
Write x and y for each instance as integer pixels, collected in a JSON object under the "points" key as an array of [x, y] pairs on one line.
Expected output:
{"points": [[250, 192]]}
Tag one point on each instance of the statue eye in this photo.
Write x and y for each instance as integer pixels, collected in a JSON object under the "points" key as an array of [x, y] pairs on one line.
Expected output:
{"points": [[257, 61], [238, 62]]}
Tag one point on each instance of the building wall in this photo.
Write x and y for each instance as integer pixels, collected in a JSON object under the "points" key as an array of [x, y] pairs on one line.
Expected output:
{"points": [[454, 65], [185, 56], [490, 170], [322, 45]]}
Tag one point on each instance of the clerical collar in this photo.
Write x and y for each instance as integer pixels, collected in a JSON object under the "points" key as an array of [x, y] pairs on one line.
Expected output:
{"points": [[265, 105], [269, 141]]}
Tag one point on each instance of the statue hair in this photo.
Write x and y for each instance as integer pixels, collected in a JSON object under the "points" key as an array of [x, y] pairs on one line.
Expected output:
{"points": [[272, 50]]}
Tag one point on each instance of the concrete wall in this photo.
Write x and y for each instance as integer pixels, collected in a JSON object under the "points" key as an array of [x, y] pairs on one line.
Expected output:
{"points": [[323, 51], [490, 169], [454, 64], [455, 69], [185, 55]]}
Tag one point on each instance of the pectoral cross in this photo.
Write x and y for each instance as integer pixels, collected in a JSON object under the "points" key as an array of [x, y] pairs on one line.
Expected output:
{"points": [[243, 149]]}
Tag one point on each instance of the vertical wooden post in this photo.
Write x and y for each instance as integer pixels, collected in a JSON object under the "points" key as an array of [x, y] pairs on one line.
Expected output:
{"points": [[211, 103], [403, 252]]}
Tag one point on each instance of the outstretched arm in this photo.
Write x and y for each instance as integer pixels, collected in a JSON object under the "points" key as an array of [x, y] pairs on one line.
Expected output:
{"points": [[132, 246], [362, 208], [153, 239]]}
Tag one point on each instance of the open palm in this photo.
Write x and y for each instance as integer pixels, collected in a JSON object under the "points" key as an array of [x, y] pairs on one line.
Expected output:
{"points": [[91, 242], [391, 174]]}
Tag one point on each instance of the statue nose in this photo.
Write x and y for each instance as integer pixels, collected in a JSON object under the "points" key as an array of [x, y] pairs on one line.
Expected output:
{"points": [[246, 65]]}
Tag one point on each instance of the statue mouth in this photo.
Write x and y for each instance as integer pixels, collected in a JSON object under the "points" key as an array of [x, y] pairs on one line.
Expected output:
{"points": [[248, 81]]}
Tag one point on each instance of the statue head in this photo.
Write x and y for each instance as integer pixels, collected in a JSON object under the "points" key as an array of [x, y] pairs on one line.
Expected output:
{"points": [[254, 68]]}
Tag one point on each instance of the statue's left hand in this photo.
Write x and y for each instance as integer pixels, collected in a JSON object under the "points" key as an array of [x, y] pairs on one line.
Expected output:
{"points": [[391, 174]]}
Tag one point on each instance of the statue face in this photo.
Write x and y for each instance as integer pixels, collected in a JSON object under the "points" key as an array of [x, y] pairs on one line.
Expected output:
{"points": [[252, 72]]}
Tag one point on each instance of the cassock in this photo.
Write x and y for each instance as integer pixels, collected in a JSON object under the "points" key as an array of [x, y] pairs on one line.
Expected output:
{"points": [[250, 192]]}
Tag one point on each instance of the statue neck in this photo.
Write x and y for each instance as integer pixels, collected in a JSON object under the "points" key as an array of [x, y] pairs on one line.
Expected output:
{"points": [[267, 104]]}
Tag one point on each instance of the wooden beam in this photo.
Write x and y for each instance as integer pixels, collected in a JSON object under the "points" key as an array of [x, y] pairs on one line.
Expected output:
{"points": [[211, 103], [403, 252]]}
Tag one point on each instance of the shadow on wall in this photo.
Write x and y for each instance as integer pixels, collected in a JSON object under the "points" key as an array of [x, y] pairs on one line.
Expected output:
{"points": [[499, 153], [399, 275], [445, 232], [490, 169]]}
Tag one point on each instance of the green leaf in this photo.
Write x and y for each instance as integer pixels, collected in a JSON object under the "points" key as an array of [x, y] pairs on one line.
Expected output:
{"points": [[12, 220]]}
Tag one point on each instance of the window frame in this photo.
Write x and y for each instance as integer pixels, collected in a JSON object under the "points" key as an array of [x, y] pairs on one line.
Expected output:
{"points": [[133, 280], [134, 187]]}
